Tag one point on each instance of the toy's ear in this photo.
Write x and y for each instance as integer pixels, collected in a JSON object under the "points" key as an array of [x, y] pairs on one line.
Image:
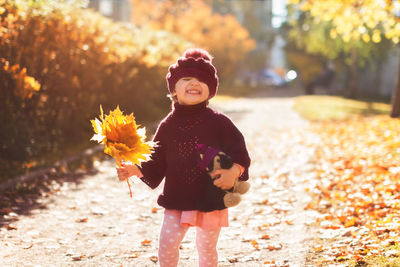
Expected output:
{"points": [[201, 148], [211, 166], [217, 162], [225, 161]]}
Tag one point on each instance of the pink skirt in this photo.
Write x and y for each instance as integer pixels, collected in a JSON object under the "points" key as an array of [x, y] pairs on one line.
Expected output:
{"points": [[206, 220]]}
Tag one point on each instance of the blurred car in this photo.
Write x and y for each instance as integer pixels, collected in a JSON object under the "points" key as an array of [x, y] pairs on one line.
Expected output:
{"points": [[271, 78], [268, 77]]}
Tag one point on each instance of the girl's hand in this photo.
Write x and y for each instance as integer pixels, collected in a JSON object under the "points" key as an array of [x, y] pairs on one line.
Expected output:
{"points": [[227, 177], [126, 171]]}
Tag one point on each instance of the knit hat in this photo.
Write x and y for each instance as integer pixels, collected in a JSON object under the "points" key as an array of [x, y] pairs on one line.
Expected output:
{"points": [[197, 63], [208, 154]]}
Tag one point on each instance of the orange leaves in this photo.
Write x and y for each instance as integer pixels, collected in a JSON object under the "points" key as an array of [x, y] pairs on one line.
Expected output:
{"points": [[146, 242], [368, 21], [255, 245], [265, 237], [359, 182], [11, 227], [82, 220], [318, 248], [269, 262], [154, 259], [274, 247], [121, 137], [25, 85], [351, 222], [196, 22], [80, 58], [78, 258]]}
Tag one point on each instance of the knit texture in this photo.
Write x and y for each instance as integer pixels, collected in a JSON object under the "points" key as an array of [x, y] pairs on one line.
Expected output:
{"points": [[176, 158]]}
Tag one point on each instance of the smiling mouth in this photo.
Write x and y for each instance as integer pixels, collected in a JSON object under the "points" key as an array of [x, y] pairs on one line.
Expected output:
{"points": [[193, 92]]}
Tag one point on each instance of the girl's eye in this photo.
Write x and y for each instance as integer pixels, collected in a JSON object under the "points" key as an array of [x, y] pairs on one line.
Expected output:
{"points": [[186, 79]]}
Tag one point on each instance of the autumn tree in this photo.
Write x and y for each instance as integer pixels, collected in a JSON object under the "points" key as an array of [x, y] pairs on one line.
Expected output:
{"points": [[195, 20], [58, 63], [358, 22], [311, 45]]}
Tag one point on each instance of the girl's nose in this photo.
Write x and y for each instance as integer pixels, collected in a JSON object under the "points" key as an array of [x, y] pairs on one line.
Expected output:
{"points": [[194, 81]]}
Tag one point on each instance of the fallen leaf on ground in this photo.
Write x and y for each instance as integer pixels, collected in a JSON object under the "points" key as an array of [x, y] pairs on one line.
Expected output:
{"points": [[134, 256], [358, 183], [233, 260], [82, 220], [255, 244], [77, 258], [274, 247], [146, 242], [11, 227], [269, 262], [154, 259]]}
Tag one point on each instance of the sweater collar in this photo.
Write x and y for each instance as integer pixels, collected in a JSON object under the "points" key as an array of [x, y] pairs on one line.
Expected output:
{"points": [[189, 110]]}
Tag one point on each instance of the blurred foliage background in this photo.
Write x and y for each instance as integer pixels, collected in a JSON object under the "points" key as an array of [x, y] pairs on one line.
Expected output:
{"points": [[355, 38], [60, 60]]}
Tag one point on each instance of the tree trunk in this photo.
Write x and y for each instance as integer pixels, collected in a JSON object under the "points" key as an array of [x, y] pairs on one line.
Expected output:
{"points": [[395, 113], [353, 76]]}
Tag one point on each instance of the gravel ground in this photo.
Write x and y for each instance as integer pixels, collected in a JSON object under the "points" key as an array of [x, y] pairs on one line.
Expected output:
{"points": [[94, 222]]}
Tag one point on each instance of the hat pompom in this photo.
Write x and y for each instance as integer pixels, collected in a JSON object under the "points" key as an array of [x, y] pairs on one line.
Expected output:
{"points": [[197, 53]]}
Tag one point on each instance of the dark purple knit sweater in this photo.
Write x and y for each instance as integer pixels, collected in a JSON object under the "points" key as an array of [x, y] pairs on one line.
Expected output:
{"points": [[175, 158]]}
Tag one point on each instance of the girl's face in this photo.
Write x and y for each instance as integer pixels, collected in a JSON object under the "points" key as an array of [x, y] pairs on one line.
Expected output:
{"points": [[191, 91]]}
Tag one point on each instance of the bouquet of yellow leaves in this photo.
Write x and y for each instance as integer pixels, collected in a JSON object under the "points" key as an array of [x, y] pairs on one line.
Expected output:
{"points": [[122, 138]]}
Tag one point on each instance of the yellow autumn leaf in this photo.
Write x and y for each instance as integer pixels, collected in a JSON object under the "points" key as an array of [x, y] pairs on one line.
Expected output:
{"points": [[347, 17], [122, 137]]}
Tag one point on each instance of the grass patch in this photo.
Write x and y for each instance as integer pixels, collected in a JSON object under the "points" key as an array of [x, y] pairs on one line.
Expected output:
{"points": [[235, 90], [379, 261], [222, 98], [229, 93], [322, 108]]}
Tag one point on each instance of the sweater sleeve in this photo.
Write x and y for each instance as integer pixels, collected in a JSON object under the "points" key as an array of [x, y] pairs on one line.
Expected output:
{"points": [[234, 145], [154, 170]]}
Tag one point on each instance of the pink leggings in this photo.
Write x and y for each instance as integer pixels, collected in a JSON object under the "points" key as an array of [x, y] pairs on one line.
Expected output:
{"points": [[172, 233]]}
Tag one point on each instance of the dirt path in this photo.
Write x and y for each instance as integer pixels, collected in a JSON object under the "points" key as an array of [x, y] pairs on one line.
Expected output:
{"points": [[95, 223]]}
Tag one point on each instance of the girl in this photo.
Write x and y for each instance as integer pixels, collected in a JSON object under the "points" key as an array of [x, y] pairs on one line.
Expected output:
{"points": [[192, 81]]}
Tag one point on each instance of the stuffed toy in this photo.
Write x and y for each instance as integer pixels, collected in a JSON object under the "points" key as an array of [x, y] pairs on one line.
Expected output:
{"points": [[211, 159]]}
